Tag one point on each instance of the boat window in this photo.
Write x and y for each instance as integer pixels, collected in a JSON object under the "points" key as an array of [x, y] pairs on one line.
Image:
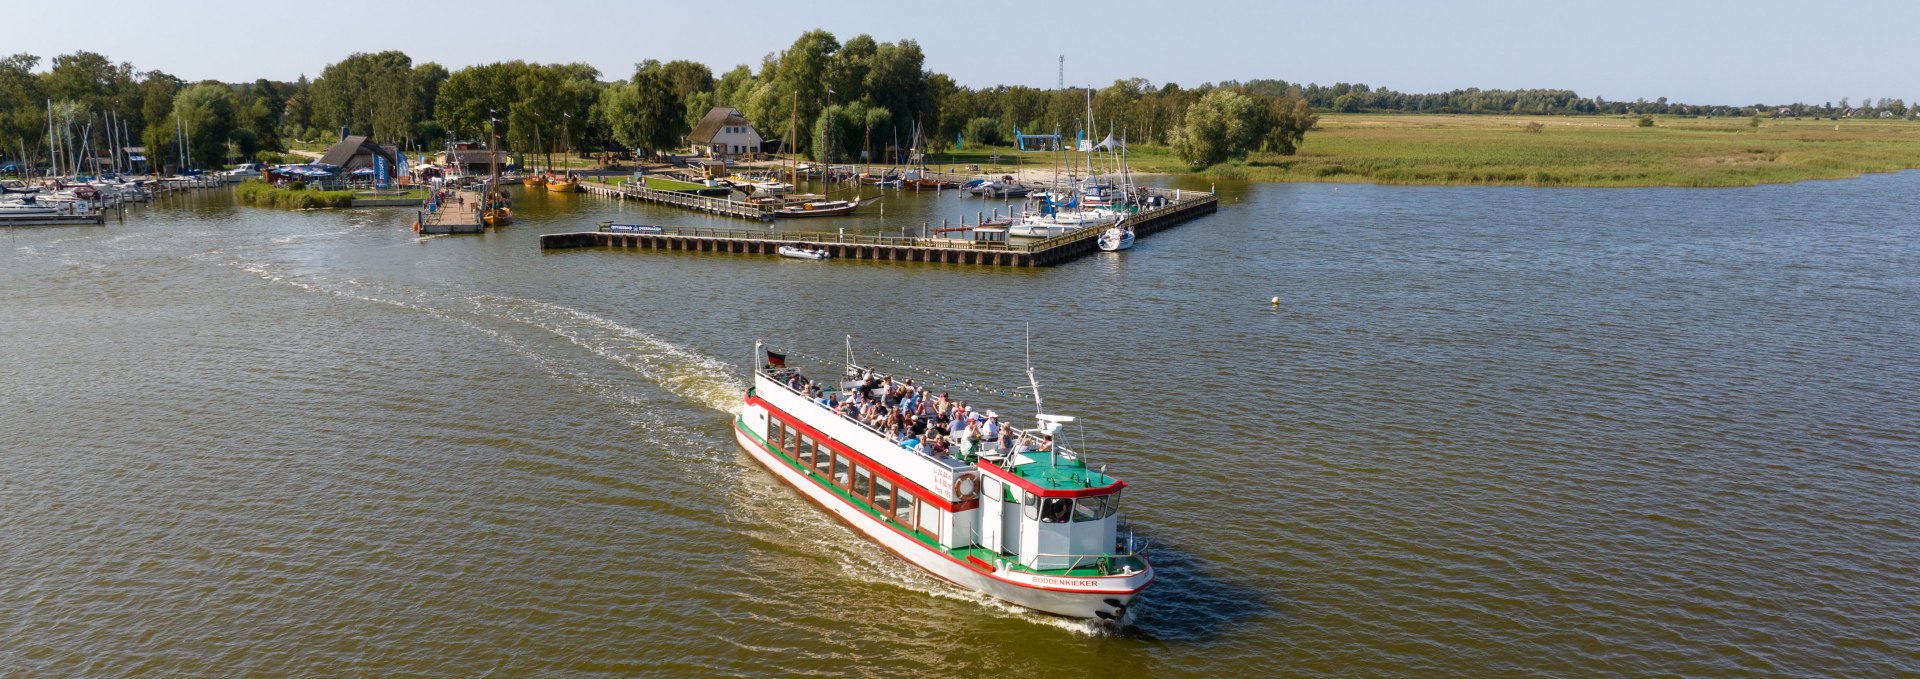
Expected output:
{"points": [[806, 450], [882, 496], [822, 463], [1056, 510], [862, 482], [791, 437], [1113, 505], [1090, 508], [840, 470], [1032, 503], [773, 432], [903, 509], [929, 520]]}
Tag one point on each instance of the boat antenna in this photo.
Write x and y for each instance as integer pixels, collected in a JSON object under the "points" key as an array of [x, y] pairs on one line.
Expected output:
{"points": [[1030, 378], [850, 365]]}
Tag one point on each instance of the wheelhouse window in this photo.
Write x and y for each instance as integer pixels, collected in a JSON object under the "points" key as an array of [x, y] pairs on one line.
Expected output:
{"points": [[1090, 508], [1056, 510], [862, 482], [882, 496]]}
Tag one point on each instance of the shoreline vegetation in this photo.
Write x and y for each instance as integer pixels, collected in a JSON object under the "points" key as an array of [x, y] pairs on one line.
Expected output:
{"points": [[298, 197], [838, 101], [261, 194], [1597, 151]]}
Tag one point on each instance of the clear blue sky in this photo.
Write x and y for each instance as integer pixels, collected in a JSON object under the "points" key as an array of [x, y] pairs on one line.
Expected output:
{"points": [[1697, 51]]}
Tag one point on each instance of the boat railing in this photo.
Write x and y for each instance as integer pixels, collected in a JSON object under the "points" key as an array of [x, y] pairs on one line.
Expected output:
{"points": [[1109, 563], [774, 374]]}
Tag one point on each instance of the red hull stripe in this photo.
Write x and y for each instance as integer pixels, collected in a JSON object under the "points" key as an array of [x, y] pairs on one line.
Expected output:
{"points": [[1143, 586]]}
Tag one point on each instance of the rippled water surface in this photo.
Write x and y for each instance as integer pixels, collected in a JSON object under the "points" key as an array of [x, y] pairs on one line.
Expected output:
{"points": [[1485, 432]]}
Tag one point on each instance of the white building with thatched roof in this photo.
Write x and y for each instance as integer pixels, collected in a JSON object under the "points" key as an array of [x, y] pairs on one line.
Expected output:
{"points": [[724, 133]]}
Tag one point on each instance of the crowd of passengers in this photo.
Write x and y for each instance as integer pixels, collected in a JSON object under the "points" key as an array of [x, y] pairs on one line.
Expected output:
{"points": [[918, 419]]}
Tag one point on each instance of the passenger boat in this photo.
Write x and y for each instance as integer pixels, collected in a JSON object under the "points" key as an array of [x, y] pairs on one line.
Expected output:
{"points": [[798, 252], [1033, 525], [563, 184]]}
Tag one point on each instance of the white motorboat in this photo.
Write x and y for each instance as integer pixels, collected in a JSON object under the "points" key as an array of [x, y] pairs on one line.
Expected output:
{"points": [[25, 209], [797, 252], [1116, 238], [1042, 226]]}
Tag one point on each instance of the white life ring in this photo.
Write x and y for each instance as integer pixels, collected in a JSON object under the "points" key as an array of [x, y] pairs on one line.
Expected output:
{"points": [[965, 488]]}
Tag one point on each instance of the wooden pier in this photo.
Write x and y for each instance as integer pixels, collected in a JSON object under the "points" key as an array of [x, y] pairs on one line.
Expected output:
{"points": [[1052, 251], [718, 206], [453, 216]]}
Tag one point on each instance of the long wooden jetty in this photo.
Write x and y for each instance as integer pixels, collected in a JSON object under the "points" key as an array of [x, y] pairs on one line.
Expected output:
{"points": [[718, 206], [1055, 250]]}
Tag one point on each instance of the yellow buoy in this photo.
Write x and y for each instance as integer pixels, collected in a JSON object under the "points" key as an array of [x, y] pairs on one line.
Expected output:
{"points": [[1276, 301]]}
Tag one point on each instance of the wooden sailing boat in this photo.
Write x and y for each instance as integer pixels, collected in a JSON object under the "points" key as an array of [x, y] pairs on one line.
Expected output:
{"points": [[826, 206], [564, 184]]}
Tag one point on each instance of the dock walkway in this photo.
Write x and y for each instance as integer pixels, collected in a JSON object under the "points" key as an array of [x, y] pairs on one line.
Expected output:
{"points": [[718, 206], [453, 216], [1052, 251]]}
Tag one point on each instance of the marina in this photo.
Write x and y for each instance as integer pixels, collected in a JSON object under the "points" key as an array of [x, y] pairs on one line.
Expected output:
{"points": [[1051, 251]]}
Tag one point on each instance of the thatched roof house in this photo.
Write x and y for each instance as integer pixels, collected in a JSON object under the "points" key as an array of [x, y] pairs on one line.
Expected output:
{"points": [[724, 133], [355, 152]]}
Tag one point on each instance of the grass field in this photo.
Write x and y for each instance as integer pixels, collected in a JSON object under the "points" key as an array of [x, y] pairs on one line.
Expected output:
{"points": [[1562, 151]]}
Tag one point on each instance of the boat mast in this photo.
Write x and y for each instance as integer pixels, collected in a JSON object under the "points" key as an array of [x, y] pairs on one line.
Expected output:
{"points": [[793, 142]]}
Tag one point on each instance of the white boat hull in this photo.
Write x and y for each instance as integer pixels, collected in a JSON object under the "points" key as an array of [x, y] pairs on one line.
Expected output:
{"points": [[1110, 243], [1075, 597]]}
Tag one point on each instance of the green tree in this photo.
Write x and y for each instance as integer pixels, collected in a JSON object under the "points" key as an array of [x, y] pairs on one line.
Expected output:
{"points": [[645, 112], [206, 110], [23, 120], [1221, 125], [984, 131]]}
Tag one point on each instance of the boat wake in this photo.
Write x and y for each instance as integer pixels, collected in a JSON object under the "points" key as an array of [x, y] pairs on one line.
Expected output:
{"points": [[680, 371]]}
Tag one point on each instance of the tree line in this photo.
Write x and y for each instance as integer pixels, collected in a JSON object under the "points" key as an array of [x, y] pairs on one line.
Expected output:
{"points": [[1359, 98], [828, 99]]}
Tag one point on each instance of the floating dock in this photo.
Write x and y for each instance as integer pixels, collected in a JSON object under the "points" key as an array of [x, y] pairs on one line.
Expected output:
{"points": [[1066, 247], [90, 218], [460, 216], [718, 206]]}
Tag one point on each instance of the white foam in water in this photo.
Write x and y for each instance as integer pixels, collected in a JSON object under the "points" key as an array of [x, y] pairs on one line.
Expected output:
{"points": [[682, 372]]}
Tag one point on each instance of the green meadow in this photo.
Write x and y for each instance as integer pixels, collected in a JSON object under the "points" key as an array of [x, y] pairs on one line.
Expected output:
{"points": [[1549, 151]]}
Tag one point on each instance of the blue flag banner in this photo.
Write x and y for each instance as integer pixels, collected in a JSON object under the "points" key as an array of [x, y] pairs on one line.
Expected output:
{"points": [[402, 170], [379, 170]]}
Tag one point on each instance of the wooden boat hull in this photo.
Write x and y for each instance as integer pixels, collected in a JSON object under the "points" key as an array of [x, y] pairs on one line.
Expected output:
{"points": [[564, 186]]}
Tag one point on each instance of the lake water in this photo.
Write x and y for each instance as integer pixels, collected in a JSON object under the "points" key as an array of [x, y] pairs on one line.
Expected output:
{"points": [[1485, 432]]}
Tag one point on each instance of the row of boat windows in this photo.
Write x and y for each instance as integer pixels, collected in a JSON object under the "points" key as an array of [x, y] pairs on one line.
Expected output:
{"points": [[842, 471]]}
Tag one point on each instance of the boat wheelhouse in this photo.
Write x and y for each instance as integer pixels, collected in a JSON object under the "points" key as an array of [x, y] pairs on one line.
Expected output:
{"points": [[1031, 525]]}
